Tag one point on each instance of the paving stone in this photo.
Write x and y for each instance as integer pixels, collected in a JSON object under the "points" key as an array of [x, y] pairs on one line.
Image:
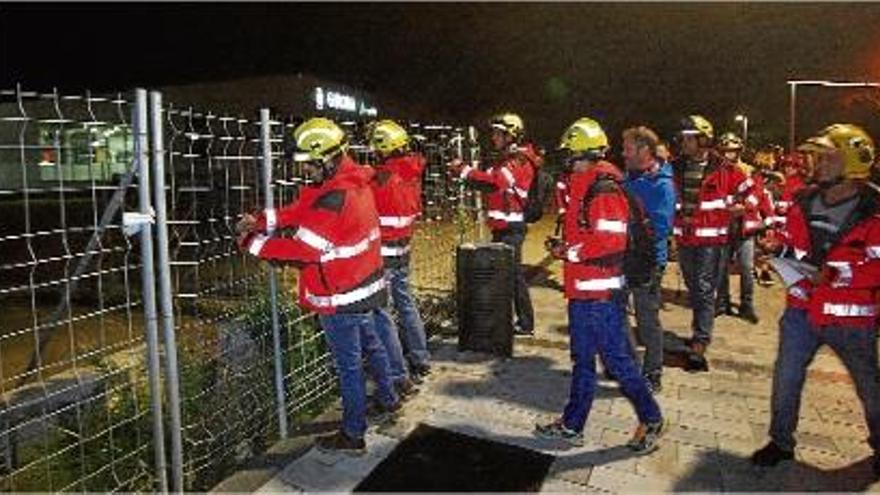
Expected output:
{"points": [[683, 434], [853, 449], [557, 485], [615, 481], [818, 442], [703, 407], [718, 418], [821, 458], [721, 427], [737, 446], [663, 461], [571, 469]]}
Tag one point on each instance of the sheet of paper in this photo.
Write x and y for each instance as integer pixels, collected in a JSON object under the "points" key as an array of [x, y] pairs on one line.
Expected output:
{"points": [[792, 271]]}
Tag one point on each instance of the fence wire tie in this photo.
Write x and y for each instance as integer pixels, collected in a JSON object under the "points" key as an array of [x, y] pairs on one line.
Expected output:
{"points": [[134, 221]]}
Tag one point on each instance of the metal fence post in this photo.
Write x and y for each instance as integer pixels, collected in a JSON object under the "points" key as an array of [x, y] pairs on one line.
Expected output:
{"points": [[148, 279], [266, 147], [172, 375]]}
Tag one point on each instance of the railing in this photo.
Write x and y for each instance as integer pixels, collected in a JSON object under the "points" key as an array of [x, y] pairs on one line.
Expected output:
{"points": [[142, 352]]}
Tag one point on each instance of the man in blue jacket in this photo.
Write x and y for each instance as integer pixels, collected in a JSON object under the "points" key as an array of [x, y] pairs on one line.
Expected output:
{"points": [[650, 180]]}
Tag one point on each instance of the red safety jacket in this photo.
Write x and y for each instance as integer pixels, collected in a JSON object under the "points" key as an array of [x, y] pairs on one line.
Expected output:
{"points": [[723, 185], [849, 294], [793, 185], [336, 242], [397, 188], [509, 179], [759, 208], [595, 235]]}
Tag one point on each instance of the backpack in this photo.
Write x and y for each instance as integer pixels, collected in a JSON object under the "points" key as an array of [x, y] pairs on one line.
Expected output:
{"points": [[639, 259], [539, 190]]}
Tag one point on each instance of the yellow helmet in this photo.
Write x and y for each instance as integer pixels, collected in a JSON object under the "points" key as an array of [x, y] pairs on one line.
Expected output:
{"points": [[698, 125], [509, 123], [852, 142], [730, 142], [585, 135], [765, 159], [387, 136], [319, 139]]}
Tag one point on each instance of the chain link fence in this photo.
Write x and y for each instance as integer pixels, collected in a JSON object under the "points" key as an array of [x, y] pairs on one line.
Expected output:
{"points": [[79, 410]]}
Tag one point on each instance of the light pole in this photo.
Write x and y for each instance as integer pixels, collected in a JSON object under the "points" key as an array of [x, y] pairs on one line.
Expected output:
{"points": [[745, 123], [792, 99]]}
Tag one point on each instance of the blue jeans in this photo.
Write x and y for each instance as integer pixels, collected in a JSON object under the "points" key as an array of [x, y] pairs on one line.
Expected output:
{"points": [[596, 326], [387, 332], [414, 340], [699, 267], [745, 259], [799, 341], [350, 337]]}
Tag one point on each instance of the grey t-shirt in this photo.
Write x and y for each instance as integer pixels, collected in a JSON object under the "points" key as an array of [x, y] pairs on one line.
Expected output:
{"points": [[825, 222]]}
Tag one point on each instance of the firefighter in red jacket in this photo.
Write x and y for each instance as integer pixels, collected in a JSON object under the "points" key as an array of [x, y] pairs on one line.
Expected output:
{"points": [[397, 187], [793, 165], [561, 197], [336, 245], [592, 248], [507, 184], [710, 189], [741, 234], [835, 229]]}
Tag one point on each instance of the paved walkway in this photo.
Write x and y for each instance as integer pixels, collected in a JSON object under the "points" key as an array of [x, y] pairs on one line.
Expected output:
{"points": [[718, 418]]}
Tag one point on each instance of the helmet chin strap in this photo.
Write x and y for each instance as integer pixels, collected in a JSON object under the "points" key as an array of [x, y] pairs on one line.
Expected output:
{"points": [[327, 170]]}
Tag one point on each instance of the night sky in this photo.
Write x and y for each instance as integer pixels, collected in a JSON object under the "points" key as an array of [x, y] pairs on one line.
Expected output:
{"points": [[620, 63]]}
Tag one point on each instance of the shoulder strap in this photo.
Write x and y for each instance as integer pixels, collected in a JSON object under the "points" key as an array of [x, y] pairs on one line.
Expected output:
{"points": [[603, 182], [867, 205]]}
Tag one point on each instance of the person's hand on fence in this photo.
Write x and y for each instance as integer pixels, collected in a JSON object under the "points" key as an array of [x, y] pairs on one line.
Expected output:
{"points": [[555, 247], [247, 224], [244, 240], [456, 166]]}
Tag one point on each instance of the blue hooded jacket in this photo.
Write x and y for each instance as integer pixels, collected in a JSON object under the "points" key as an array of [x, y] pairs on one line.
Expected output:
{"points": [[656, 190]]}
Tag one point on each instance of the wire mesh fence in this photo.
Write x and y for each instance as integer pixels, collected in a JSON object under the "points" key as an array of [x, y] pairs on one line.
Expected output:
{"points": [[75, 411], [76, 402]]}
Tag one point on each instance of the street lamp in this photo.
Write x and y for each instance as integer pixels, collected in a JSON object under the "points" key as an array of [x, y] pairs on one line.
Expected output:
{"points": [[792, 99], [745, 123]]}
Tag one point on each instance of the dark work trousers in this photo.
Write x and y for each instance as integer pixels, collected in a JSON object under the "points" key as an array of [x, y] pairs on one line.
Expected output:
{"points": [[744, 256], [522, 302], [699, 266], [649, 331]]}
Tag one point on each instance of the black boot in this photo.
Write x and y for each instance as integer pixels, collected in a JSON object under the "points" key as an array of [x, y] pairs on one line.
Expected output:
{"points": [[771, 455], [747, 312], [723, 307], [696, 358]]}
